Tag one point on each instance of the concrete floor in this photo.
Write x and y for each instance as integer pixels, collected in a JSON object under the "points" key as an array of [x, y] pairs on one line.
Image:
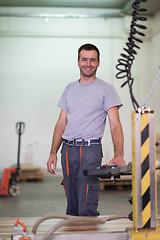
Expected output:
{"points": [[41, 198]]}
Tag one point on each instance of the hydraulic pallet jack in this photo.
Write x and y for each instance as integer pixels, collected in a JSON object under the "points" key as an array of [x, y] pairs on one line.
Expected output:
{"points": [[12, 175]]}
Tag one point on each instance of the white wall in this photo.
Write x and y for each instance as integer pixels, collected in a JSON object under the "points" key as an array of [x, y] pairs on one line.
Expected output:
{"points": [[38, 59], [154, 68]]}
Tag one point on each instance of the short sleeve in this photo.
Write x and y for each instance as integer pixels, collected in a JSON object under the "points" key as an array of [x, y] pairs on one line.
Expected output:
{"points": [[111, 99], [62, 103]]}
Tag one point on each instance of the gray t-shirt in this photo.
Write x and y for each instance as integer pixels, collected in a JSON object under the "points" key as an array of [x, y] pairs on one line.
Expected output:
{"points": [[87, 106]]}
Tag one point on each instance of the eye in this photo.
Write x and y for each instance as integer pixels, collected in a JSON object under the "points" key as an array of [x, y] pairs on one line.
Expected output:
{"points": [[93, 60]]}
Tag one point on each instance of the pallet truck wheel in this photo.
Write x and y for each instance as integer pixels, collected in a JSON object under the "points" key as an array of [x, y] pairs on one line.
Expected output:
{"points": [[13, 190]]}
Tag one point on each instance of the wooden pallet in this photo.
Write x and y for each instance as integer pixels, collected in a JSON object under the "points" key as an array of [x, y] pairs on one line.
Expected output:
{"points": [[31, 172], [31, 177], [125, 180]]}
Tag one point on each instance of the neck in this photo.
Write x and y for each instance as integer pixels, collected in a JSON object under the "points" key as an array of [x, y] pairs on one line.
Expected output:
{"points": [[86, 80]]}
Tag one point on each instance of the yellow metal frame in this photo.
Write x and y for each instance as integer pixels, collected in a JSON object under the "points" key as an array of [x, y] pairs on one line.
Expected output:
{"points": [[145, 234], [134, 172], [144, 184]]}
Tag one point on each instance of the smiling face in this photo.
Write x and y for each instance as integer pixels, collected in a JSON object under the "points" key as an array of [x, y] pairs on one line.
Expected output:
{"points": [[88, 64]]}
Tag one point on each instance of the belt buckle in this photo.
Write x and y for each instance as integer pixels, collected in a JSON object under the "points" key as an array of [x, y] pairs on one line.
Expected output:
{"points": [[88, 143], [76, 143]]}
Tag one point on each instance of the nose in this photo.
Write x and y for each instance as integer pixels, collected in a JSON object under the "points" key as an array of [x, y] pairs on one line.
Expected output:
{"points": [[88, 62]]}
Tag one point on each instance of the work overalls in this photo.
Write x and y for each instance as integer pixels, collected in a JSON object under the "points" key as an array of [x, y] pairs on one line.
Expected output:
{"points": [[81, 191]]}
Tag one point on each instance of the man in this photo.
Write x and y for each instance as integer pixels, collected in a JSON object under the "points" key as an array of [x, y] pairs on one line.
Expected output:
{"points": [[85, 105]]}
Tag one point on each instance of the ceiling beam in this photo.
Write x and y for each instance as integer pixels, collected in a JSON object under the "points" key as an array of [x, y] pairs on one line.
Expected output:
{"points": [[60, 13]]}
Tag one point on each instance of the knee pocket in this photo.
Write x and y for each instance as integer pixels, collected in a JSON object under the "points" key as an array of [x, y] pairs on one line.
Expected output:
{"points": [[90, 204], [91, 199]]}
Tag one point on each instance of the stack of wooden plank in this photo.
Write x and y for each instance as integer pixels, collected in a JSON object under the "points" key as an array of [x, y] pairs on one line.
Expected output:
{"points": [[31, 172]]}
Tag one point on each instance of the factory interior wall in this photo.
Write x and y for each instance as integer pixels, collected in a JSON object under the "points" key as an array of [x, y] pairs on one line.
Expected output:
{"points": [[38, 59], [154, 68]]}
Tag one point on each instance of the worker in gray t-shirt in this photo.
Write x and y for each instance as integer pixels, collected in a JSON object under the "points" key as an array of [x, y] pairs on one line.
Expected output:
{"points": [[85, 104]]}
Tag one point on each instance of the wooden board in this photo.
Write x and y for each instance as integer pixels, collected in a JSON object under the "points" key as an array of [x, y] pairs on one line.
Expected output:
{"points": [[31, 172], [125, 180], [7, 226], [115, 226]]}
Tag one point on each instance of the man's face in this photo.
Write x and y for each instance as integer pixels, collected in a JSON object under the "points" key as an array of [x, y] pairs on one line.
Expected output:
{"points": [[88, 63]]}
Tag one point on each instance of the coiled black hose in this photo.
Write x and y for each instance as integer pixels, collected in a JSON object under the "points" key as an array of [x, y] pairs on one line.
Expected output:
{"points": [[125, 63]]}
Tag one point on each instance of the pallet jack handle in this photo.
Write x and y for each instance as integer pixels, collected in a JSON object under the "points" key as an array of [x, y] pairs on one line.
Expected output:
{"points": [[20, 127]]}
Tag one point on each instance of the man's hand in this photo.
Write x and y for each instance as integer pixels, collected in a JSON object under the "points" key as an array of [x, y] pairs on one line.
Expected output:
{"points": [[56, 141], [52, 163], [118, 161]]}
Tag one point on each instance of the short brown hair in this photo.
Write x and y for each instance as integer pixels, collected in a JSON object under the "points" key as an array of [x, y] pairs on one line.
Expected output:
{"points": [[88, 47]]}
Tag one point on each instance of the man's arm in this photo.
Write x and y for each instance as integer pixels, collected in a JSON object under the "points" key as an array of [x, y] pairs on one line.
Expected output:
{"points": [[56, 141], [117, 137]]}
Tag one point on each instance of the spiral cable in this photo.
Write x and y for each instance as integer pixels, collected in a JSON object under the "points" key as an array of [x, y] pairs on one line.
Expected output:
{"points": [[125, 63]]}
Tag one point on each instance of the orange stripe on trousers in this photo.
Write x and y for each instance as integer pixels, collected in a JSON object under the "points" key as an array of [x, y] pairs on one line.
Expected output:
{"points": [[86, 195], [67, 165], [80, 154]]}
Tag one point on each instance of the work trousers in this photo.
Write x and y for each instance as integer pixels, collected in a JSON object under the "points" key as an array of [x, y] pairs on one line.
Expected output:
{"points": [[81, 191]]}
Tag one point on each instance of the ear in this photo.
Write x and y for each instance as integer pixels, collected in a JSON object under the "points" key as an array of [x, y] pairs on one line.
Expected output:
{"points": [[98, 63], [78, 63]]}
